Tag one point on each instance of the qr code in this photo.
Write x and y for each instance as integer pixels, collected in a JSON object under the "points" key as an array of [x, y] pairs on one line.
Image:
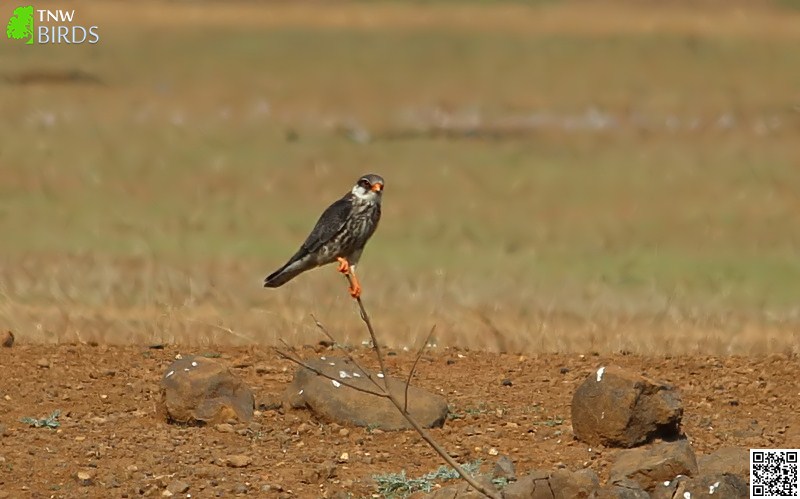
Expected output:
{"points": [[773, 473]]}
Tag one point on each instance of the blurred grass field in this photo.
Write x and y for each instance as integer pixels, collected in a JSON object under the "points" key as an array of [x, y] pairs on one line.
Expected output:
{"points": [[560, 176]]}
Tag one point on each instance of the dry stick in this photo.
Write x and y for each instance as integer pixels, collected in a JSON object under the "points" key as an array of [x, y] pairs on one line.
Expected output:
{"points": [[349, 356], [411, 420], [320, 373], [414, 366]]}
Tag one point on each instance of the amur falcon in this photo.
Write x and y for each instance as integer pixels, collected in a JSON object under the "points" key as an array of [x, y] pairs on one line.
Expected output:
{"points": [[339, 235]]}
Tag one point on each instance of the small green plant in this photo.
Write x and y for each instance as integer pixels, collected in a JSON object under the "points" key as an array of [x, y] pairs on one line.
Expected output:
{"points": [[398, 485], [556, 421], [50, 422]]}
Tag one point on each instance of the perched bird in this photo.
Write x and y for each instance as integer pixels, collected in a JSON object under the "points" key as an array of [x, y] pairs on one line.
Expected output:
{"points": [[339, 235]]}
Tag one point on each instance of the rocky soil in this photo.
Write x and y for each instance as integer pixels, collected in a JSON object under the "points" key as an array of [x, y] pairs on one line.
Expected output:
{"points": [[110, 438]]}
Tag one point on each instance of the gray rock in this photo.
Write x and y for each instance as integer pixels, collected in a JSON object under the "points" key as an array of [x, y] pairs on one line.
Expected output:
{"points": [[504, 468], [333, 400]]}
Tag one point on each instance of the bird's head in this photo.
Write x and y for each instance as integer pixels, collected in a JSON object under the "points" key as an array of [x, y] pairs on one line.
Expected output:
{"points": [[369, 188]]}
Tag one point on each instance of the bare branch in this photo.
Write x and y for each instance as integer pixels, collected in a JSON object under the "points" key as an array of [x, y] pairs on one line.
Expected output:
{"points": [[411, 420], [414, 366], [320, 373], [375, 345], [349, 355]]}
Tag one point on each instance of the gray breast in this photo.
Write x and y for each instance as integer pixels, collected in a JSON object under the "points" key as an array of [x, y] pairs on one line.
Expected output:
{"points": [[355, 232]]}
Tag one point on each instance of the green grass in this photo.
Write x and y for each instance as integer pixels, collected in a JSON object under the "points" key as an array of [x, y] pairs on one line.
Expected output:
{"points": [[172, 186]]}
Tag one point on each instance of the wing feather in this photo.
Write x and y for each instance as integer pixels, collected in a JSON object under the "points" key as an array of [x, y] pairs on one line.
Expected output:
{"points": [[329, 224]]}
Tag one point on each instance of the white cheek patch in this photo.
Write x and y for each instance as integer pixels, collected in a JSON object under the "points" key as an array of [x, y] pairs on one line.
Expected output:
{"points": [[360, 193]]}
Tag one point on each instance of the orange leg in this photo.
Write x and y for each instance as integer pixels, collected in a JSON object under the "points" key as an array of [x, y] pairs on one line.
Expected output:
{"points": [[347, 269], [355, 290]]}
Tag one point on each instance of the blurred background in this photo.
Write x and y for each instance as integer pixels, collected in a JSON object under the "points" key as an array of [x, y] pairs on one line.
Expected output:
{"points": [[560, 175]]}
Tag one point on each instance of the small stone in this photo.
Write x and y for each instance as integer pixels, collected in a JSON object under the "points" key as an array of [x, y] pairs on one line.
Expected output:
{"points": [[504, 468], [224, 428], [507, 382], [239, 461], [493, 452], [85, 477], [344, 457], [178, 487], [344, 432], [8, 339], [43, 363]]}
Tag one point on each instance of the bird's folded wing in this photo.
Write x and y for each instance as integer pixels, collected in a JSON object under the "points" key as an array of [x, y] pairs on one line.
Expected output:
{"points": [[329, 224]]}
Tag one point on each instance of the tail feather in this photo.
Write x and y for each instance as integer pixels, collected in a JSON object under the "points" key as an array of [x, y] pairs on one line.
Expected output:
{"points": [[292, 268]]}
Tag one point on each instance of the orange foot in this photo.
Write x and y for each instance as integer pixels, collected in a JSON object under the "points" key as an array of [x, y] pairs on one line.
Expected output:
{"points": [[355, 288], [344, 266]]}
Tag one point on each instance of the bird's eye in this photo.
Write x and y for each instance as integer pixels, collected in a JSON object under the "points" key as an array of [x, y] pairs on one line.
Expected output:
{"points": [[364, 183]]}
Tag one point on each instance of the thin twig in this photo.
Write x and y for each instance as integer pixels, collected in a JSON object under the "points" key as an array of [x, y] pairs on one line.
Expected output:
{"points": [[411, 420], [320, 373], [350, 357], [375, 346], [414, 366]]}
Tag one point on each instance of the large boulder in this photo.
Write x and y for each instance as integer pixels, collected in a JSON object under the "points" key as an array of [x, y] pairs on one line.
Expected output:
{"points": [[330, 397], [617, 408], [654, 465], [199, 390]]}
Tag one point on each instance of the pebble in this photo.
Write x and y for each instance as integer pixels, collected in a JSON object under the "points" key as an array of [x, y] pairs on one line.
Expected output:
{"points": [[85, 478], [239, 461], [224, 428], [43, 363], [177, 487]]}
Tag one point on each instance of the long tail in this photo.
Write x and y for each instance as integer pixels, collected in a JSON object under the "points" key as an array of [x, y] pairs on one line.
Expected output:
{"points": [[294, 267]]}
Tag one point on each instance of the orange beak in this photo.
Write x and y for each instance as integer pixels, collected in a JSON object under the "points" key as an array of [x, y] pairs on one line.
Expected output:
{"points": [[377, 187]]}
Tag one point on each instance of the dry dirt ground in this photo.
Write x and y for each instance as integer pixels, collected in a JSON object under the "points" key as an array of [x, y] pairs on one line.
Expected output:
{"points": [[109, 429]]}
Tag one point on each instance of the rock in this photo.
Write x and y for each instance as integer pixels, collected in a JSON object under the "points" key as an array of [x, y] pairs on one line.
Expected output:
{"points": [[85, 477], [504, 468], [732, 460], [653, 465], [178, 487], [463, 490], [224, 428], [8, 339], [534, 485], [617, 408], [238, 461], [334, 401], [714, 486], [560, 484], [203, 390], [43, 363], [573, 484], [623, 489]]}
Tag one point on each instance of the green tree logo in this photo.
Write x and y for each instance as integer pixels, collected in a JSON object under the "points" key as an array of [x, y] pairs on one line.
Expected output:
{"points": [[20, 26]]}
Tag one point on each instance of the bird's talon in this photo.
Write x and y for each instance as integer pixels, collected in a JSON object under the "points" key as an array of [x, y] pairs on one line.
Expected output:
{"points": [[355, 292], [344, 266]]}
